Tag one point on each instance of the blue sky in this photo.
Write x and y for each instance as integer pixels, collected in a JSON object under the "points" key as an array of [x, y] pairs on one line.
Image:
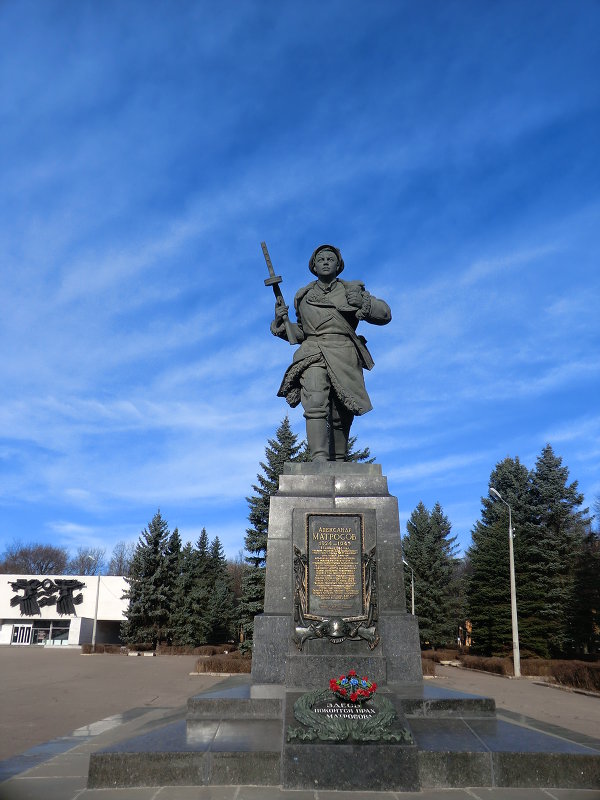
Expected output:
{"points": [[450, 149]]}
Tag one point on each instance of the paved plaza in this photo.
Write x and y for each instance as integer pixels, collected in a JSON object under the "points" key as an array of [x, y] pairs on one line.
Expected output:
{"points": [[49, 692], [59, 706]]}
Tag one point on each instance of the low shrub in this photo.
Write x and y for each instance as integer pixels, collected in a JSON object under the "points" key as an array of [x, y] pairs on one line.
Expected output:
{"points": [[577, 674], [112, 649], [234, 662], [428, 665], [443, 654], [201, 650], [206, 650], [227, 648], [178, 650], [498, 666], [536, 667]]}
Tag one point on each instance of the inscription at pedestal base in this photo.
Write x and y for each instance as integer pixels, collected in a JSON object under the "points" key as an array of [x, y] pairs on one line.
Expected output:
{"points": [[325, 718]]}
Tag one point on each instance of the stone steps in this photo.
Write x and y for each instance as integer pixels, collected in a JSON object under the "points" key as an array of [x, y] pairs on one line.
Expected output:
{"points": [[459, 742]]}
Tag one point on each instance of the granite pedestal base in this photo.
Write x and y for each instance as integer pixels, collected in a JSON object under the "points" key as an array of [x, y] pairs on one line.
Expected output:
{"points": [[359, 766], [234, 734], [336, 489], [373, 767]]}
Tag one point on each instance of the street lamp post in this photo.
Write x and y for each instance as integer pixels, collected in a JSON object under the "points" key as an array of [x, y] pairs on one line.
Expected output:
{"points": [[513, 589], [95, 609], [96, 615], [412, 584]]}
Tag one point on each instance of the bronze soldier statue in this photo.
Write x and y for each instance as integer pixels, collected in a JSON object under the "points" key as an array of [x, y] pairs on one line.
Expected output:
{"points": [[326, 375]]}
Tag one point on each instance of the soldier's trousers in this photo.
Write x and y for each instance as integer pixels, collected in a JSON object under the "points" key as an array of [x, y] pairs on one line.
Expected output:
{"points": [[321, 403]]}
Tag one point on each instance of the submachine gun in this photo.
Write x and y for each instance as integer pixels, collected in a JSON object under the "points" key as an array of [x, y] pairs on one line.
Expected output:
{"points": [[274, 281]]}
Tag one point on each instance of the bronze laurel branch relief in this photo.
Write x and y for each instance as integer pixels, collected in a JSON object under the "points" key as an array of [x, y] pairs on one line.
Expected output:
{"points": [[335, 628]]}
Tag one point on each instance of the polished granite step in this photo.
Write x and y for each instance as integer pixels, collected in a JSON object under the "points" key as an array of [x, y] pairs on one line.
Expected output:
{"points": [[214, 752], [238, 699], [459, 742]]}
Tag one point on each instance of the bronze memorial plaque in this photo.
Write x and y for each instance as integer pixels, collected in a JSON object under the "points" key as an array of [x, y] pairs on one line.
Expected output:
{"points": [[335, 580]]}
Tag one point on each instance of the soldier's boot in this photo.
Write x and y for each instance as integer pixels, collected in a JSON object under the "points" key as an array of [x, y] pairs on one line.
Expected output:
{"points": [[340, 444], [340, 422], [316, 435]]}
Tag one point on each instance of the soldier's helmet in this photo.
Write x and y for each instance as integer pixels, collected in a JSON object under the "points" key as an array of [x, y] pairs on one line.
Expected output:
{"points": [[337, 628], [311, 263]]}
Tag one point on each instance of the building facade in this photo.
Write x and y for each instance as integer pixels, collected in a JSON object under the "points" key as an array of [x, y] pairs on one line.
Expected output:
{"points": [[60, 610]]}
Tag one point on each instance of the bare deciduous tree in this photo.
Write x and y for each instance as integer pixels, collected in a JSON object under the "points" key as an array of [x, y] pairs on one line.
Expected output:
{"points": [[236, 568], [34, 559], [120, 561], [87, 561]]}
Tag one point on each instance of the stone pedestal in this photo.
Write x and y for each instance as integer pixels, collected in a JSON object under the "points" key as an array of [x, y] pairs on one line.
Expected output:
{"points": [[251, 732], [357, 495]]}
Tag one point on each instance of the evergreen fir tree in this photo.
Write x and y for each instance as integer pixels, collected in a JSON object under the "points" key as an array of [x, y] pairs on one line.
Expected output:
{"points": [[278, 451], [147, 615], [549, 533], [458, 592], [363, 455], [488, 585], [284, 447], [216, 560], [221, 606], [562, 530], [430, 551], [184, 618], [222, 611], [191, 625], [446, 578], [584, 616], [172, 568], [203, 558], [585, 608]]}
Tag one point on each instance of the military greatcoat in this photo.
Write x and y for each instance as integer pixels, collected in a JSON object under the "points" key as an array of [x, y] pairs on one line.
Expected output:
{"points": [[326, 329]]}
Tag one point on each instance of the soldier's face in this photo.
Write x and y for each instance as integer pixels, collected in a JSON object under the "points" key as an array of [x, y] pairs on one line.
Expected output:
{"points": [[326, 264]]}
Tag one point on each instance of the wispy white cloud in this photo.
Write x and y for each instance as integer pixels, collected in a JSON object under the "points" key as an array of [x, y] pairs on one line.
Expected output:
{"points": [[137, 364], [485, 269], [425, 469], [587, 427], [70, 529]]}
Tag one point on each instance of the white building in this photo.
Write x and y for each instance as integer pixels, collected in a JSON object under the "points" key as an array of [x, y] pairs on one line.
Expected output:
{"points": [[59, 610]]}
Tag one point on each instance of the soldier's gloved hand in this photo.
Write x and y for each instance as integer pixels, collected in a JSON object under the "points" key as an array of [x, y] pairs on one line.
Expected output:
{"points": [[354, 296], [280, 313]]}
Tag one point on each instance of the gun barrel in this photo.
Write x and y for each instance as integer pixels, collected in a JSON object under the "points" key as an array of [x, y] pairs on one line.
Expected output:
{"points": [[274, 281], [268, 259]]}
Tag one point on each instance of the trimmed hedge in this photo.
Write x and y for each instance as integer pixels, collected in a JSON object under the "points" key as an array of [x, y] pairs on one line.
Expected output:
{"points": [[536, 667], [577, 674], [443, 654], [234, 662], [203, 650], [112, 649], [428, 665], [498, 666]]}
